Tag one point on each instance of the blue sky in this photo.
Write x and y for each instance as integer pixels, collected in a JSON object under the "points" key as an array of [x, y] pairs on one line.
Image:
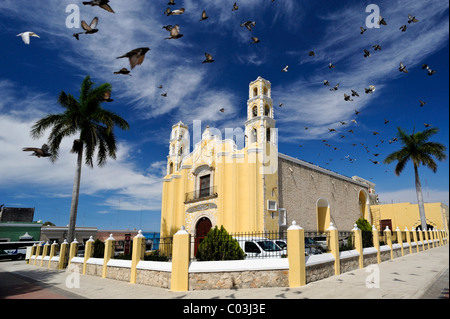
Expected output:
{"points": [[126, 193]]}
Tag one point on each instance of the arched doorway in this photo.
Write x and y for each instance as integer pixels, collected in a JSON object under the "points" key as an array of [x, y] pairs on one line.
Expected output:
{"points": [[323, 215], [201, 230], [362, 198]]}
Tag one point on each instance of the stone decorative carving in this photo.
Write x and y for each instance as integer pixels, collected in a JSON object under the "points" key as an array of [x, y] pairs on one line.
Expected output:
{"points": [[200, 207]]}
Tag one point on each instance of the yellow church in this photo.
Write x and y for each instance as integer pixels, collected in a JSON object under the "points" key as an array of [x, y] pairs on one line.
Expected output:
{"points": [[253, 188]]}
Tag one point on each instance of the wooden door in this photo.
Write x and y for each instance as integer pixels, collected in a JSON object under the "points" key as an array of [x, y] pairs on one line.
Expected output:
{"points": [[201, 230]]}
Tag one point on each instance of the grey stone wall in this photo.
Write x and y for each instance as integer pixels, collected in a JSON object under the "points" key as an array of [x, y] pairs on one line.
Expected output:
{"points": [[299, 193], [319, 271], [369, 259], [118, 273], [349, 264], [153, 278]]}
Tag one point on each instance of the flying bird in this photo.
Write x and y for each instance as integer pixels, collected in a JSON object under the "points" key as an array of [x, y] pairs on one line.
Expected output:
{"points": [[175, 32], [204, 16], [366, 53], [248, 24], [354, 93], [285, 69], [88, 29], [376, 47], [107, 97], [427, 125], [430, 71], [402, 68], [235, 7], [381, 21], [403, 28], [208, 58], [312, 53], [100, 3], [26, 36], [222, 110], [386, 121], [325, 82], [412, 19], [164, 94], [347, 97], [422, 103], [335, 87], [123, 71], [255, 40], [170, 12], [331, 66], [331, 130], [39, 152], [136, 56], [375, 162], [371, 89], [171, 3], [362, 30]]}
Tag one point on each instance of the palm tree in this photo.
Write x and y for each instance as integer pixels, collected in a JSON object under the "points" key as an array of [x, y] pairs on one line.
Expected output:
{"points": [[92, 127], [419, 150]]}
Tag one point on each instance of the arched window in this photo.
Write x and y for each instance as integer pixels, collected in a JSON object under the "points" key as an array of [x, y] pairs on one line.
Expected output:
{"points": [[255, 111], [254, 135], [170, 168], [268, 134], [266, 110], [265, 91], [255, 92]]}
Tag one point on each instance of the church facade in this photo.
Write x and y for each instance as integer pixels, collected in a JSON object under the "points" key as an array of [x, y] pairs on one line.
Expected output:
{"points": [[253, 188]]}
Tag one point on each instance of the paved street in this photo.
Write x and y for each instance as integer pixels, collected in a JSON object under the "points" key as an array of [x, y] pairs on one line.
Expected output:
{"points": [[421, 275]]}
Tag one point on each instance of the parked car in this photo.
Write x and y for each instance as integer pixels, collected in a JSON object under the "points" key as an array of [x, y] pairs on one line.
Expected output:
{"points": [[280, 243], [259, 247], [14, 254], [322, 242], [312, 247]]}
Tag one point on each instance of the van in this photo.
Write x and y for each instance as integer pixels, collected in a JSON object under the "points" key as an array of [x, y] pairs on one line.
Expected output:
{"points": [[259, 247]]}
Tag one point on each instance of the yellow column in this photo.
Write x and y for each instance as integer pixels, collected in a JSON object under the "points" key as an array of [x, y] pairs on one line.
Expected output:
{"points": [[63, 255], [358, 244], [296, 255], [421, 238], [52, 253], [426, 239], [415, 238], [400, 240], [109, 253], [376, 242], [38, 252], [138, 254], [45, 252], [387, 233], [431, 238], [334, 248], [180, 261], [408, 239], [88, 250], [73, 250], [32, 253]]}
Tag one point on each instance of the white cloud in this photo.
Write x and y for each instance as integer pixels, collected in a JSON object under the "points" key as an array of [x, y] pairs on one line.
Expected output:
{"points": [[410, 195]]}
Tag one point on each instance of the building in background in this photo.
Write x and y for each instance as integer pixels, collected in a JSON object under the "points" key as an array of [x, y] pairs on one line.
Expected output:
{"points": [[59, 233], [17, 228], [403, 215]]}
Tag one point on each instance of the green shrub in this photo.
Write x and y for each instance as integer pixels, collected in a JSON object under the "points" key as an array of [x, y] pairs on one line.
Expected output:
{"points": [[99, 249], [155, 255], [219, 245], [366, 230]]}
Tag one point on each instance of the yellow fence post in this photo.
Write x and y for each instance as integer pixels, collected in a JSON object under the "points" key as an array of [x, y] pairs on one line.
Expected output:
{"points": [[334, 248], [408, 239], [180, 261], [52, 253], [400, 240], [63, 255], [425, 232], [44, 252], [138, 254], [88, 250], [415, 238], [109, 253], [358, 244], [73, 250], [32, 253], [421, 238], [387, 233], [376, 242], [38, 252], [296, 255]]}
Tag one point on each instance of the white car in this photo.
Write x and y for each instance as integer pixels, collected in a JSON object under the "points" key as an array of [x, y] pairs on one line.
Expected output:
{"points": [[260, 247]]}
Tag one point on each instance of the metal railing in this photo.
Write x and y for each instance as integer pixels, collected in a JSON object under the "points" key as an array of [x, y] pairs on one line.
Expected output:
{"points": [[201, 193]]}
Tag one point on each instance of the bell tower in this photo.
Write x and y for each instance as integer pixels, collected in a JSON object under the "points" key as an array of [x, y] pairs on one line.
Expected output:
{"points": [[178, 148], [260, 124]]}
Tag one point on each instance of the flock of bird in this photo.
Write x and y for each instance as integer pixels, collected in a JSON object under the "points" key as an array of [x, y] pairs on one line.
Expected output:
{"points": [[369, 90], [136, 57]]}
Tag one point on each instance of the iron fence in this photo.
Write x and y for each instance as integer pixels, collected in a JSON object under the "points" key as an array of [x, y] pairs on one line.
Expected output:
{"points": [[201, 193]]}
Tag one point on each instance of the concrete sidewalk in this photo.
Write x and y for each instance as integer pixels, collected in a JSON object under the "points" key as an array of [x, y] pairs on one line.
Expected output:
{"points": [[418, 275]]}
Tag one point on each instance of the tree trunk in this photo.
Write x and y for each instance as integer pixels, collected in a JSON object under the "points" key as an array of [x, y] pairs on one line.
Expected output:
{"points": [[423, 219], [75, 195]]}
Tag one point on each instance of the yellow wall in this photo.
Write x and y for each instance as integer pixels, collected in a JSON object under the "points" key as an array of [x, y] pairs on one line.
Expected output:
{"points": [[407, 215]]}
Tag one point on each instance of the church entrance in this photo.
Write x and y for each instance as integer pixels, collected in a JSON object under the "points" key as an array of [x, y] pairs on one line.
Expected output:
{"points": [[201, 230]]}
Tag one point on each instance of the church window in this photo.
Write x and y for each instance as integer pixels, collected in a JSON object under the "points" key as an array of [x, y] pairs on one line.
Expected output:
{"points": [[255, 111], [170, 168], [205, 185], [265, 91], [254, 136], [268, 134], [255, 92], [266, 110]]}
